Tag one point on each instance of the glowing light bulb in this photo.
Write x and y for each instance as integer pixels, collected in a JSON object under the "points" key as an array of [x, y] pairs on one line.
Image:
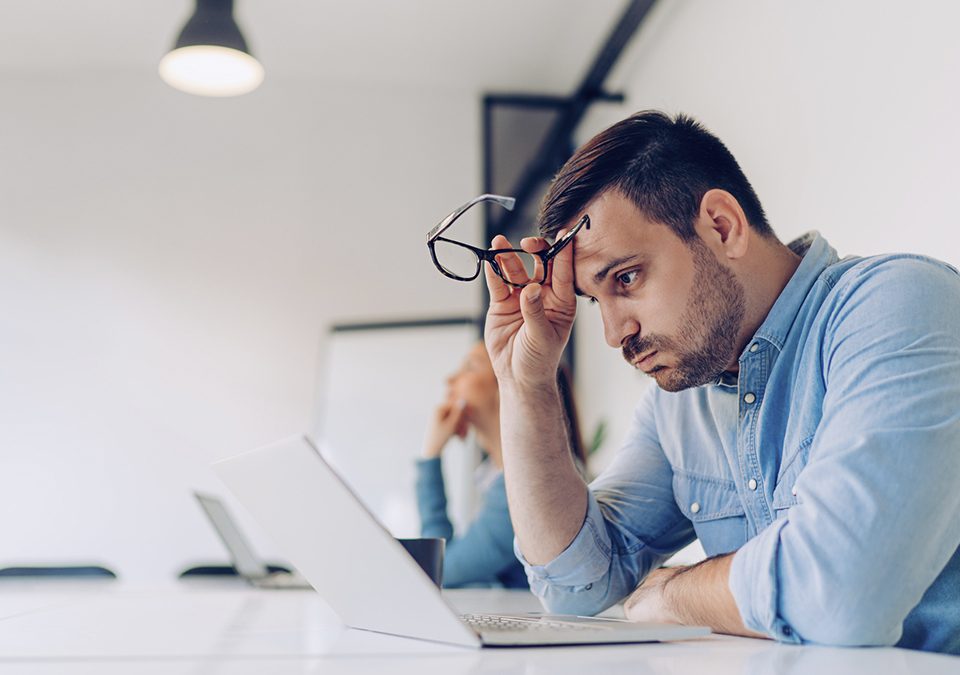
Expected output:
{"points": [[209, 70]]}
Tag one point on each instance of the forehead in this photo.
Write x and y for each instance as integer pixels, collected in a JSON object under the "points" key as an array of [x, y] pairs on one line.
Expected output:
{"points": [[619, 234]]}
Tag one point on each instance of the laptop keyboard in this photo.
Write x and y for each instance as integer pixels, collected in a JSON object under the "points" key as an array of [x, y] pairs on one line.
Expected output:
{"points": [[493, 622]]}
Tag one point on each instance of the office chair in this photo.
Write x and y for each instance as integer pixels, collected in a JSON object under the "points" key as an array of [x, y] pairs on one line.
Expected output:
{"points": [[222, 571], [58, 571]]}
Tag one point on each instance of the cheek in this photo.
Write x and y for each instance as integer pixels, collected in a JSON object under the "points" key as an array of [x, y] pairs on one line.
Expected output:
{"points": [[468, 388], [662, 307], [668, 300], [480, 390]]}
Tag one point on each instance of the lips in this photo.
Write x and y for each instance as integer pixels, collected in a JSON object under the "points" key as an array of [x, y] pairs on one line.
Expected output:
{"points": [[646, 363]]}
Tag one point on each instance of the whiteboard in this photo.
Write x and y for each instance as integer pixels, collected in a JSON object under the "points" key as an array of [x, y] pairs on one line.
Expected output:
{"points": [[378, 387]]}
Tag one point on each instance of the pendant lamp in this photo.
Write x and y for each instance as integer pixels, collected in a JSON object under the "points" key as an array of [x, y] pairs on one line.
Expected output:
{"points": [[211, 57]]}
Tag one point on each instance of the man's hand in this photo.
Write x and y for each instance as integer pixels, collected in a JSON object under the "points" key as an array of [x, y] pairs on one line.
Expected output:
{"points": [[525, 335], [449, 420], [698, 595], [648, 602], [527, 329]]}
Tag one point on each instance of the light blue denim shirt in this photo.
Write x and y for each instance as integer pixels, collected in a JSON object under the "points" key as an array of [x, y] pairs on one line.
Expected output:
{"points": [[831, 464]]}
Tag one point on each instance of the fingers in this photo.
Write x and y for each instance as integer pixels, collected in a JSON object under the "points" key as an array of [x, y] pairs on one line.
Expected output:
{"points": [[498, 288], [533, 245], [534, 315], [449, 420], [561, 275], [459, 425], [510, 264], [461, 429], [452, 411]]}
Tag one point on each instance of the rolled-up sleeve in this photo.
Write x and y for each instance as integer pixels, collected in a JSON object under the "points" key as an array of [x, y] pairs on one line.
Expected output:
{"points": [[632, 524], [877, 518], [754, 581]]}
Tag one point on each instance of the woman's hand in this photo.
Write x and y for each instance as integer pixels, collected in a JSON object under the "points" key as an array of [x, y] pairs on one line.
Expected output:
{"points": [[449, 419]]}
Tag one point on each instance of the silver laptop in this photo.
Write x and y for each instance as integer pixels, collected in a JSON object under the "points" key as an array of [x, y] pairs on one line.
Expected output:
{"points": [[248, 564], [368, 578]]}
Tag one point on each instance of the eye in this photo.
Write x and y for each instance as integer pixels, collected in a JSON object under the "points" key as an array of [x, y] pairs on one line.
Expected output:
{"points": [[628, 278]]}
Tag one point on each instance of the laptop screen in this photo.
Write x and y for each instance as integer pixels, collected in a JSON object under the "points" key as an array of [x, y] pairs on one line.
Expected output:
{"points": [[248, 565]]}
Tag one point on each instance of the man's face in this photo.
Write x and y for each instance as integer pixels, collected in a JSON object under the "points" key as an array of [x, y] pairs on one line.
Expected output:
{"points": [[671, 307]]}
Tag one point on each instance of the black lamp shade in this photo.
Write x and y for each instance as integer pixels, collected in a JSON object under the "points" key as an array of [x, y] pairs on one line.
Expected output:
{"points": [[212, 24]]}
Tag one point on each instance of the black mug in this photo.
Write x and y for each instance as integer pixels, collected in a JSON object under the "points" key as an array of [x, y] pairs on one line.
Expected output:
{"points": [[428, 552]]}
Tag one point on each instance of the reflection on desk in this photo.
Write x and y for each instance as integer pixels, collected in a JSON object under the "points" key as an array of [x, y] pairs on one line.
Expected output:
{"points": [[231, 630]]}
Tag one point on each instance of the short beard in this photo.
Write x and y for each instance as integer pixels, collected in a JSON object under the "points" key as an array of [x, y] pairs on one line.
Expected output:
{"points": [[707, 339]]}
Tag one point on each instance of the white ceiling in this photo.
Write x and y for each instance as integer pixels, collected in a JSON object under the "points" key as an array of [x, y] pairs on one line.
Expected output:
{"points": [[511, 45]]}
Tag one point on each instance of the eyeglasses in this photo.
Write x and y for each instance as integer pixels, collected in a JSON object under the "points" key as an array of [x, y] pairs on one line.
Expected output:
{"points": [[462, 262]]}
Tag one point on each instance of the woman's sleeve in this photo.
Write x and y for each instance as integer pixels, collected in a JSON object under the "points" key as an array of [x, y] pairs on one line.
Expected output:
{"points": [[432, 500], [486, 548]]}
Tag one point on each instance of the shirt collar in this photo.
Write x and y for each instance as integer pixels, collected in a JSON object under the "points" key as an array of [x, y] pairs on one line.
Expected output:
{"points": [[816, 255]]}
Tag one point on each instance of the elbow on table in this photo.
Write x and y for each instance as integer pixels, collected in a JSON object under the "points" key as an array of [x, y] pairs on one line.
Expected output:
{"points": [[853, 627], [585, 600]]}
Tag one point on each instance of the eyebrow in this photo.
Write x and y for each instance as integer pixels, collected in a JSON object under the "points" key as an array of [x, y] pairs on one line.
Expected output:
{"points": [[605, 270]]}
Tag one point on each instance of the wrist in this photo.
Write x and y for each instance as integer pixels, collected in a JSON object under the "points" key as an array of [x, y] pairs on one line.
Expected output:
{"points": [[669, 592], [431, 451], [528, 390]]}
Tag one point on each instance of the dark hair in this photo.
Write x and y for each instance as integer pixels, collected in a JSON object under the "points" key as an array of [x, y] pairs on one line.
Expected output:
{"points": [[662, 165], [565, 386]]}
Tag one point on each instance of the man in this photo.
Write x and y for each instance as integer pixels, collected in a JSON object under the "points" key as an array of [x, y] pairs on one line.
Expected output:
{"points": [[806, 423]]}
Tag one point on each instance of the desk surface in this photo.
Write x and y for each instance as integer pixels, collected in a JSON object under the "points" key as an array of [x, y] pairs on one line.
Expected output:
{"points": [[228, 629]]}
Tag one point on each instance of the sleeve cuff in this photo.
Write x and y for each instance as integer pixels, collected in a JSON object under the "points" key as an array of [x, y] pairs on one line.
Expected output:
{"points": [[429, 468], [586, 558], [754, 584]]}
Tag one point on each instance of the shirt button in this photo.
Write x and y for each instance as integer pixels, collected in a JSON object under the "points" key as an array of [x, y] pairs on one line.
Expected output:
{"points": [[786, 631], [695, 507], [749, 397], [752, 484], [793, 490], [754, 347], [588, 587]]}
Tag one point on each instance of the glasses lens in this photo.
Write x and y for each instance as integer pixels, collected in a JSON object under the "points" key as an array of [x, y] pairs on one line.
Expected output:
{"points": [[456, 260], [519, 269]]}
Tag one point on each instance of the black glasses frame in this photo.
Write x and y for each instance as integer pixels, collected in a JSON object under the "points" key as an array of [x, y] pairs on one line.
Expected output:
{"points": [[490, 256]]}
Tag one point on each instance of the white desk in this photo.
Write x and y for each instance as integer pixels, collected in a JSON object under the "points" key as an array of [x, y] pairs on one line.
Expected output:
{"points": [[228, 629]]}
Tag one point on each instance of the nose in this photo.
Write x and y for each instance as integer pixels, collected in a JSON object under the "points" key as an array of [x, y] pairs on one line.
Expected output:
{"points": [[618, 325]]}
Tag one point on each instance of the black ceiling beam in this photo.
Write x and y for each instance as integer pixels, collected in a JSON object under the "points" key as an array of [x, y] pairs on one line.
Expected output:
{"points": [[556, 147], [543, 100]]}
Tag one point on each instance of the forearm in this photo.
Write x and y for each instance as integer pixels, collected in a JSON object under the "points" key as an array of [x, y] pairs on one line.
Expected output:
{"points": [[547, 496], [699, 595]]}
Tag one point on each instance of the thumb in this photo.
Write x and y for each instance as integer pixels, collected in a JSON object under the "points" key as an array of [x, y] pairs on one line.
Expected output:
{"points": [[531, 307]]}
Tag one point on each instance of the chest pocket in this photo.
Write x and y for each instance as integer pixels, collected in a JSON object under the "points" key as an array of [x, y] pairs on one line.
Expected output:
{"points": [[786, 494], [714, 508]]}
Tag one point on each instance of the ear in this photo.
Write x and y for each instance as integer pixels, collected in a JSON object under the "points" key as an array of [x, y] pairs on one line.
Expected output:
{"points": [[723, 222]]}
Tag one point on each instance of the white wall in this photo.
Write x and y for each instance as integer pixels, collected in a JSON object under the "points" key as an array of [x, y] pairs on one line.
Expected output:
{"points": [[842, 115], [168, 265]]}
